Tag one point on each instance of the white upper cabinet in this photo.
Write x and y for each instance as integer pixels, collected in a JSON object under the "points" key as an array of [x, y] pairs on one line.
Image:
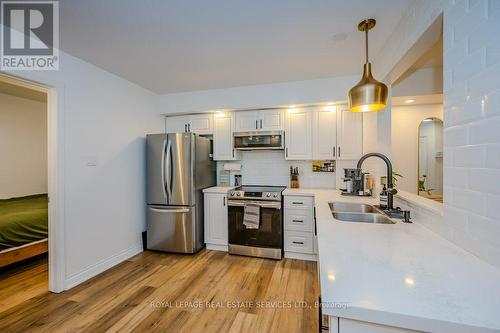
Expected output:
{"points": [[271, 120], [263, 120], [349, 134], [298, 135], [247, 121], [325, 134], [199, 123], [176, 124], [223, 137]]}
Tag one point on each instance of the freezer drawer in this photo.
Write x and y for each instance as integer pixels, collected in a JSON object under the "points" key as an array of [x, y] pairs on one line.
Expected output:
{"points": [[171, 229]]}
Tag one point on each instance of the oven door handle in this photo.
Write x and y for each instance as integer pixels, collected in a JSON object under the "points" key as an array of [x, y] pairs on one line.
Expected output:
{"points": [[241, 203]]}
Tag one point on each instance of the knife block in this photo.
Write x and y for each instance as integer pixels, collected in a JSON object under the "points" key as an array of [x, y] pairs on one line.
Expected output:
{"points": [[294, 181]]}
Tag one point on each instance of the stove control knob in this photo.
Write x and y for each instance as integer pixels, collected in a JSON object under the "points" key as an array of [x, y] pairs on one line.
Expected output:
{"points": [[268, 195], [238, 194], [275, 195], [232, 193]]}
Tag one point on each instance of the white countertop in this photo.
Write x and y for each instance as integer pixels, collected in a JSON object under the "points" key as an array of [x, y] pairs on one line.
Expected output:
{"points": [[402, 275], [218, 189]]}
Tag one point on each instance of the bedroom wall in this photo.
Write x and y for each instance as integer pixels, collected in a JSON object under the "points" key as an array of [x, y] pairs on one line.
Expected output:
{"points": [[105, 120], [23, 146]]}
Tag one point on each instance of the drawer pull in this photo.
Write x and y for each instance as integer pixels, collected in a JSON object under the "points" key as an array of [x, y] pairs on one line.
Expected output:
{"points": [[297, 203], [298, 221], [300, 243]]}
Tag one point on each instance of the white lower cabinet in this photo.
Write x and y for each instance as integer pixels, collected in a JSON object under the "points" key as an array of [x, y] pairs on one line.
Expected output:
{"points": [[299, 228], [215, 220], [344, 325]]}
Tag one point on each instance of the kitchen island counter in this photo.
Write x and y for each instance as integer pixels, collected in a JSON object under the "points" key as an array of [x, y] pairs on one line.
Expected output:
{"points": [[401, 275]]}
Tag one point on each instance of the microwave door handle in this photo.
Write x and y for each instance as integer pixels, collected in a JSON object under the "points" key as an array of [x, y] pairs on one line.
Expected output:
{"points": [[169, 169], [163, 185]]}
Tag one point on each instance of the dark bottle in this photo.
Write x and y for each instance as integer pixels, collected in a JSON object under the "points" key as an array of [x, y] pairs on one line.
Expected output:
{"points": [[383, 198]]}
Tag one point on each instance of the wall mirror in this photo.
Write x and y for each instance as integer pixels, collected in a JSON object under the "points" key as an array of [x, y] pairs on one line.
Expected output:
{"points": [[430, 159]]}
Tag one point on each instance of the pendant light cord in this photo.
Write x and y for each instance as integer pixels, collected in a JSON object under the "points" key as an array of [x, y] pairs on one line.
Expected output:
{"points": [[366, 41]]}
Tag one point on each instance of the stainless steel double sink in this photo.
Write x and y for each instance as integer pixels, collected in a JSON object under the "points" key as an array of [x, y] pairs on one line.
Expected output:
{"points": [[358, 212]]}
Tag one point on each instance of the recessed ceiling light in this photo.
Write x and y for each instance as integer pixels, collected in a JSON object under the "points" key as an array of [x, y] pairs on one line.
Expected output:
{"points": [[409, 101], [293, 106], [409, 281], [428, 119], [339, 37]]}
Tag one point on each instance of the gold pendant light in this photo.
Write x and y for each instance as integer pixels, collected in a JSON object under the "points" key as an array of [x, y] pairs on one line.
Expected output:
{"points": [[369, 94]]}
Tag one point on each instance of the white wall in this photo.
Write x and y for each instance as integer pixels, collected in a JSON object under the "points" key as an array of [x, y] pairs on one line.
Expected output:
{"points": [[425, 81], [471, 116], [405, 123], [106, 118], [23, 147], [258, 96]]}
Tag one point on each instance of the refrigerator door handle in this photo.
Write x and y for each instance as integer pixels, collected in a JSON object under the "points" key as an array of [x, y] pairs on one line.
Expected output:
{"points": [[164, 148], [169, 210], [169, 169]]}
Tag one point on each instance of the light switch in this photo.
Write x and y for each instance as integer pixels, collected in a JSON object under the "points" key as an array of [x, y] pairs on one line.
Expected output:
{"points": [[91, 161]]}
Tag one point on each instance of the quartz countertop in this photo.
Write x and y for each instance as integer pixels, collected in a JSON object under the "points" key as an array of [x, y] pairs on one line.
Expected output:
{"points": [[402, 275], [218, 189]]}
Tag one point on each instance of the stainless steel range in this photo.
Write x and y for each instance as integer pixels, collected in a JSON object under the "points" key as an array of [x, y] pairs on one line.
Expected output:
{"points": [[255, 221]]}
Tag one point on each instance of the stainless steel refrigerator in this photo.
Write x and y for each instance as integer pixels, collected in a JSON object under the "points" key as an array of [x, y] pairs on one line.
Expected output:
{"points": [[179, 167]]}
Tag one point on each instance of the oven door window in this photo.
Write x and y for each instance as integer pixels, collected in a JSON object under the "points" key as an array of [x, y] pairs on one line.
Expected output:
{"points": [[269, 234]]}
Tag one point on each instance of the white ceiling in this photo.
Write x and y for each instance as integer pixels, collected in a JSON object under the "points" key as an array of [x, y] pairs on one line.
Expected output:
{"points": [[184, 45]]}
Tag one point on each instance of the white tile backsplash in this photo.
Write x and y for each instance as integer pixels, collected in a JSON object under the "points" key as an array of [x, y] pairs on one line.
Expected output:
{"points": [[472, 128], [269, 167]]}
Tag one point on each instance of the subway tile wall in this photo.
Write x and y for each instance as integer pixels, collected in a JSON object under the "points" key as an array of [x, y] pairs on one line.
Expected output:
{"points": [[472, 127], [271, 168]]}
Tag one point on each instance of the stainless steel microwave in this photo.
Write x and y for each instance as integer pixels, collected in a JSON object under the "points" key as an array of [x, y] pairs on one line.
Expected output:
{"points": [[259, 140]]}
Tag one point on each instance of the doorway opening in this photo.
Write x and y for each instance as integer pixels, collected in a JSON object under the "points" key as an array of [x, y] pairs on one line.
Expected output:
{"points": [[417, 118], [28, 196]]}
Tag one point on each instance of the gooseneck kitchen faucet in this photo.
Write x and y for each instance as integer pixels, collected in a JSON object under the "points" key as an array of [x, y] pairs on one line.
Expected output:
{"points": [[390, 190]]}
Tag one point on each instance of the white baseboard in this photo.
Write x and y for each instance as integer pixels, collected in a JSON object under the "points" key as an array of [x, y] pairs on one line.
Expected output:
{"points": [[217, 247], [301, 256], [102, 266]]}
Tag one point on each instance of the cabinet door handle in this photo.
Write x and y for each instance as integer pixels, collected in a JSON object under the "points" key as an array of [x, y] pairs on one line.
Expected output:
{"points": [[315, 226], [300, 243], [224, 201], [185, 127], [261, 124], [298, 221], [286, 151], [233, 152], [339, 152], [297, 203], [256, 124], [334, 151]]}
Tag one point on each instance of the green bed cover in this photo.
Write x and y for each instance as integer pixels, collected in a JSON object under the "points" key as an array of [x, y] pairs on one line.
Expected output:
{"points": [[23, 220]]}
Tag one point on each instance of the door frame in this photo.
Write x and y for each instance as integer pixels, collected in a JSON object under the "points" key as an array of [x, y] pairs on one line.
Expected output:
{"points": [[55, 159]]}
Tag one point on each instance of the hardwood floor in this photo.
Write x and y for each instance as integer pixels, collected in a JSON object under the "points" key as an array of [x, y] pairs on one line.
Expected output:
{"points": [[208, 292]]}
